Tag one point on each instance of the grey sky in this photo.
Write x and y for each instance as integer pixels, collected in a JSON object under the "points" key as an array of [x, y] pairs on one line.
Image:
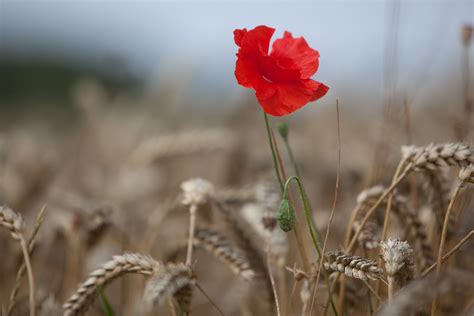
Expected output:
{"points": [[152, 35]]}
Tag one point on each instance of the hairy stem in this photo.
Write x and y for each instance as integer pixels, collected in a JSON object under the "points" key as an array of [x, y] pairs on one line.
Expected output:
{"points": [[272, 148], [279, 167], [312, 230]]}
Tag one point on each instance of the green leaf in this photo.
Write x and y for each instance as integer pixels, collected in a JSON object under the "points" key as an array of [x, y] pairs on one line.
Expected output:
{"points": [[108, 311], [286, 216]]}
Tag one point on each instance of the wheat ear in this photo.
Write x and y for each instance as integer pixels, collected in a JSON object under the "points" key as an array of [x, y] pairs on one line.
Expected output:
{"points": [[78, 303], [222, 249], [244, 240], [352, 266], [172, 279], [398, 258], [16, 225], [435, 156]]}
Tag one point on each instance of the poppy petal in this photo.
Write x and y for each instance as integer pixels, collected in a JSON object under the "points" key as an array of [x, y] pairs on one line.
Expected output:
{"points": [[246, 71], [320, 91], [238, 35], [256, 40], [272, 70], [294, 53], [287, 97]]}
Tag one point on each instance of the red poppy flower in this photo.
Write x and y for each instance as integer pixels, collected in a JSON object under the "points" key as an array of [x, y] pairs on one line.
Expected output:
{"points": [[281, 79]]}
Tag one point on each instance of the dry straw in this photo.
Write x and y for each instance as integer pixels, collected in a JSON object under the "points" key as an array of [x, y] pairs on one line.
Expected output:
{"points": [[78, 303], [352, 266], [222, 249]]}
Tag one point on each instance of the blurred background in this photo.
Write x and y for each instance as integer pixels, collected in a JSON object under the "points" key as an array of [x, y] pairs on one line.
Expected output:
{"points": [[412, 46], [106, 107]]}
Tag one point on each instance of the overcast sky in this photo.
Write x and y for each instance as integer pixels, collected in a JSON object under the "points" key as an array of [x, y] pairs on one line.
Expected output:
{"points": [[154, 36]]}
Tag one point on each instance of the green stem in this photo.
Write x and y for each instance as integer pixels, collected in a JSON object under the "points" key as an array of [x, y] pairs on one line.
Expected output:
{"points": [[292, 158], [312, 230], [272, 147]]}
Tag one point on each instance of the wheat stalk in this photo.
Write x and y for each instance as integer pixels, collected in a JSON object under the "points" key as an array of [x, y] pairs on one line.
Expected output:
{"points": [[352, 266], [23, 268], [195, 192], [16, 225], [78, 303], [222, 249]]}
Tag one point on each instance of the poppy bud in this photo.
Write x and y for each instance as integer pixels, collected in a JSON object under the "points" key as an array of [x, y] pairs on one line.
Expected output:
{"points": [[283, 130], [286, 216]]}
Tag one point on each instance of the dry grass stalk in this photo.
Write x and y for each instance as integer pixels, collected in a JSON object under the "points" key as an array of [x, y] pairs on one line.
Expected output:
{"points": [[169, 281], [78, 303], [435, 156], [449, 253], [415, 229], [222, 249], [22, 270], [398, 258], [16, 225], [352, 266], [463, 174]]}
